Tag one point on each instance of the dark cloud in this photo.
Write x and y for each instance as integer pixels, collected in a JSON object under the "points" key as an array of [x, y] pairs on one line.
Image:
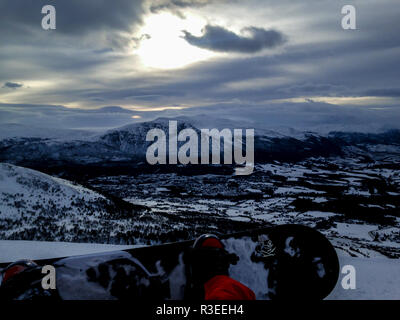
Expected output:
{"points": [[254, 39], [90, 23], [321, 89], [385, 92], [12, 85], [73, 16], [176, 6]]}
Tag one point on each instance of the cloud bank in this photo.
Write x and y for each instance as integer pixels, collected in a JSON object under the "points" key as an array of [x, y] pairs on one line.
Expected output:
{"points": [[284, 118]]}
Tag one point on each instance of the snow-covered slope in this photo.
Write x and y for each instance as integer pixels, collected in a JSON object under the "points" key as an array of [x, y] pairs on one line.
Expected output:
{"points": [[15, 180], [36, 206], [376, 279], [22, 188], [13, 250]]}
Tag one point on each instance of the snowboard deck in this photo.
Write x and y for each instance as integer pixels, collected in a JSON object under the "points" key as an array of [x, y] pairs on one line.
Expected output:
{"points": [[278, 262]]}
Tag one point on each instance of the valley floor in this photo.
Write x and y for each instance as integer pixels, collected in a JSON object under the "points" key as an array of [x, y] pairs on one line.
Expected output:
{"points": [[355, 204]]}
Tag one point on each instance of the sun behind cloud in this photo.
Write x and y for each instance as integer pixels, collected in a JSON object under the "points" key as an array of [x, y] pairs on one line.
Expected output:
{"points": [[164, 46]]}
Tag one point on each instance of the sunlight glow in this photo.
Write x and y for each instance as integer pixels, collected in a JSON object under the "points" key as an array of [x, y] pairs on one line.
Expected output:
{"points": [[165, 49]]}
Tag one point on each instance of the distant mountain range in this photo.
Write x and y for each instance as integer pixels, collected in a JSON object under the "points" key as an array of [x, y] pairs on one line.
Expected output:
{"points": [[127, 145]]}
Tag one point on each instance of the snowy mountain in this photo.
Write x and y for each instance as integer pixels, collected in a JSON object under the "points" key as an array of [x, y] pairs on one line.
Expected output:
{"points": [[26, 186], [131, 139], [36, 206], [128, 144]]}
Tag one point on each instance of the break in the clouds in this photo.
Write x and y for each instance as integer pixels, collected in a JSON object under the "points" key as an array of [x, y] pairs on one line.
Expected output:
{"points": [[251, 40], [12, 85]]}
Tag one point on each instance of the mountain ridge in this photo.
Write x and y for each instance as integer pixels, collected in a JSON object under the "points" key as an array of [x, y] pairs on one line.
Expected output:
{"points": [[127, 144]]}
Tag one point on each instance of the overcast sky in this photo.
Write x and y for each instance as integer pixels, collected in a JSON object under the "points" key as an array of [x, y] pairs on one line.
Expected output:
{"points": [[152, 55]]}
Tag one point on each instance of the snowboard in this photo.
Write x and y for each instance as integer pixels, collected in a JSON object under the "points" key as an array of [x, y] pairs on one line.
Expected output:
{"points": [[277, 262]]}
